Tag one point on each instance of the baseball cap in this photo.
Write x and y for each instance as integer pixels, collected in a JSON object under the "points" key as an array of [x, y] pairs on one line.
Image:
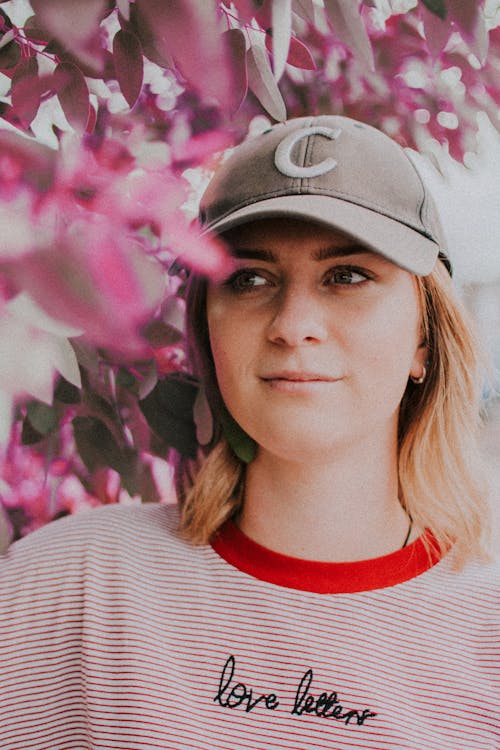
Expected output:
{"points": [[335, 171]]}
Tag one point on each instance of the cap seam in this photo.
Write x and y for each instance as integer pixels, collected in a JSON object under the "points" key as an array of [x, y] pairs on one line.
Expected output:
{"points": [[302, 181], [422, 204], [309, 150]]}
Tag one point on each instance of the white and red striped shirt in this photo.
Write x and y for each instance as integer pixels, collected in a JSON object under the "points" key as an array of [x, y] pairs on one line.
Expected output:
{"points": [[117, 634]]}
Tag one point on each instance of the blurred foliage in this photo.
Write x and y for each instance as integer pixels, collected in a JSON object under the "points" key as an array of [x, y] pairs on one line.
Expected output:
{"points": [[107, 107]]}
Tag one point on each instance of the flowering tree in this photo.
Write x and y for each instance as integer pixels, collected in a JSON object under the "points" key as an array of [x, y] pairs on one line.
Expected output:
{"points": [[107, 106]]}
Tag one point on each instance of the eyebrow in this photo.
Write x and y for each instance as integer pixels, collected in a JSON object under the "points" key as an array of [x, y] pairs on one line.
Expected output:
{"points": [[322, 253]]}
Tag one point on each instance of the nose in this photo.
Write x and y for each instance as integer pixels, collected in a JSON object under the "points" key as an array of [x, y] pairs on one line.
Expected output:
{"points": [[298, 318]]}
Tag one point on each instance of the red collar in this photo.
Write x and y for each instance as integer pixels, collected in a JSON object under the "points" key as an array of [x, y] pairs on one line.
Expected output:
{"points": [[324, 577]]}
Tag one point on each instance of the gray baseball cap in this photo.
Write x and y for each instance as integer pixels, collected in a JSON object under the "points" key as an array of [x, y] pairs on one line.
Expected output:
{"points": [[337, 172]]}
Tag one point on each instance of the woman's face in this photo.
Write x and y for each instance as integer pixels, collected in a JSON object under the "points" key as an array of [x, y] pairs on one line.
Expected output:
{"points": [[313, 338]]}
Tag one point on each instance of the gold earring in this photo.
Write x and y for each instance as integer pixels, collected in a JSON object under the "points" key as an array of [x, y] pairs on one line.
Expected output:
{"points": [[420, 380]]}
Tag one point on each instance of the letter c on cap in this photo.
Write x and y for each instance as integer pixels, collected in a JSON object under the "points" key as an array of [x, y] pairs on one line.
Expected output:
{"points": [[283, 153]]}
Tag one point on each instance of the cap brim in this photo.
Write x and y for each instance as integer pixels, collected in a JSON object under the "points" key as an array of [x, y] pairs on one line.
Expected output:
{"points": [[404, 246]]}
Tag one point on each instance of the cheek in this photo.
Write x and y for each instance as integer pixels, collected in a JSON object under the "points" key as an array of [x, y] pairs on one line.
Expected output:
{"points": [[217, 320], [228, 342], [226, 359], [388, 348]]}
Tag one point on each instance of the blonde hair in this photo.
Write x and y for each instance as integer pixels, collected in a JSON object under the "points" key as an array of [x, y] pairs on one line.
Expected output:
{"points": [[440, 470]]}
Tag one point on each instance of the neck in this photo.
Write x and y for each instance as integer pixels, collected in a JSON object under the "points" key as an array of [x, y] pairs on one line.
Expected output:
{"points": [[343, 509]]}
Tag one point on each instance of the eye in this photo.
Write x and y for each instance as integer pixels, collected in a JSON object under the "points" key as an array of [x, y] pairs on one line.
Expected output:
{"points": [[246, 280], [347, 276]]}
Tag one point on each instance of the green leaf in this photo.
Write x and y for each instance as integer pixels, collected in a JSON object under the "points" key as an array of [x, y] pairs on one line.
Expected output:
{"points": [[438, 7], [168, 410], [97, 446], [147, 488], [130, 477], [6, 530], [203, 418], [29, 436], [43, 418], [242, 444], [125, 379], [66, 392]]}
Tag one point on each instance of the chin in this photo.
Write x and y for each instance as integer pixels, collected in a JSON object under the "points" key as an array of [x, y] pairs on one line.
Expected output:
{"points": [[305, 443]]}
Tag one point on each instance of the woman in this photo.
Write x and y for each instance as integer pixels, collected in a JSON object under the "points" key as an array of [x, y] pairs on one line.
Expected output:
{"points": [[325, 584]]}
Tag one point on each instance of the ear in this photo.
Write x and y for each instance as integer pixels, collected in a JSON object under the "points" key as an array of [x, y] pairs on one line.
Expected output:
{"points": [[419, 360]]}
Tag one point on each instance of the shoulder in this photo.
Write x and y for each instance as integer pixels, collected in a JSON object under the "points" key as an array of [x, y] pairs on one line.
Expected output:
{"points": [[101, 535], [484, 578], [475, 587]]}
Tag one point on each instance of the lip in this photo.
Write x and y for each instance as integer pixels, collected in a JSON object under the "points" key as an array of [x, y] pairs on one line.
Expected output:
{"points": [[292, 376], [299, 383]]}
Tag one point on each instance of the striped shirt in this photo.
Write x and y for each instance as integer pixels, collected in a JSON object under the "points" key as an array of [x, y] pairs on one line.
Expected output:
{"points": [[115, 633]]}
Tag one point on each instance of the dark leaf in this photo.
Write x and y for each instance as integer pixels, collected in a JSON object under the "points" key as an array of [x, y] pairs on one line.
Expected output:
{"points": [[147, 488], [234, 41], [42, 417], [27, 90], [73, 94], [26, 97], [130, 474], [66, 392], [159, 334], [125, 379], [438, 7], [298, 54], [203, 418], [97, 446], [263, 13], [168, 410], [27, 67], [127, 54], [6, 27], [6, 529], [34, 30], [88, 358], [139, 25], [30, 436], [10, 56], [242, 445], [98, 406]]}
